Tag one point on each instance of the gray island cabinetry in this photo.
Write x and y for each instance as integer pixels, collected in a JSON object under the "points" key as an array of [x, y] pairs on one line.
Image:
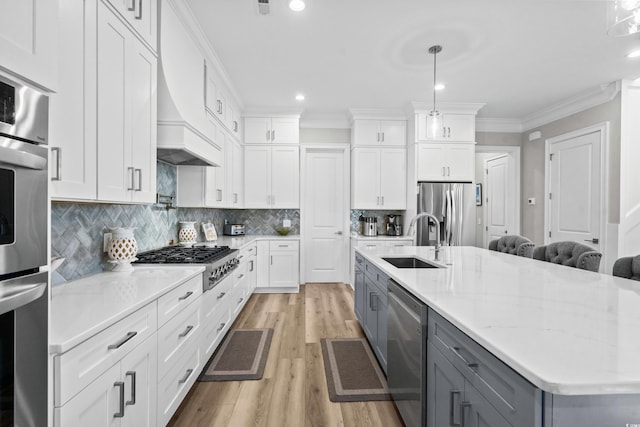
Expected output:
{"points": [[513, 341]]}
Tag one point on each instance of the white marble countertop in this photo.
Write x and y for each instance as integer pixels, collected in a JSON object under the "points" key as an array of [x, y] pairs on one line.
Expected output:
{"points": [[236, 242], [84, 307], [567, 331]]}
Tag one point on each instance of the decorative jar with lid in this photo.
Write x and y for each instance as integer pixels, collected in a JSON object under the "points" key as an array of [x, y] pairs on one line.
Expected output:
{"points": [[187, 234], [122, 248]]}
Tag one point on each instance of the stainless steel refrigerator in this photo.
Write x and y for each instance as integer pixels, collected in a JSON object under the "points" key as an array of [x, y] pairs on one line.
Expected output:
{"points": [[454, 206]]}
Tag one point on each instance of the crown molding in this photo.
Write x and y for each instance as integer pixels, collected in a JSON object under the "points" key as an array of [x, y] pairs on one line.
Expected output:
{"points": [[325, 121], [491, 124], [376, 114], [446, 107], [272, 112], [194, 29], [600, 95]]}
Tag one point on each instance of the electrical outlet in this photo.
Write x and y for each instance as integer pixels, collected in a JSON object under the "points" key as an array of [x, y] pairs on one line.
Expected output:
{"points": [[105, 244], [531, 200], [286, 223]]}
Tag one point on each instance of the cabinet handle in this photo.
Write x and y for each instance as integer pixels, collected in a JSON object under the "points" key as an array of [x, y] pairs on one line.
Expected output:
{"points": [[235, 197], [120, 412], [219, 110], [240, 257], [58, 152], [283, 246], [251, 265], [273, 200], [378, 201], [271, 259], [132, 6], [452, 405], [138, 14], [219, 192], [444, 132], [240, 301], [448, 128], [382, 136], [471, 365], [185, 296], [273, 135], [463, 407], [382, 198], [186, 376], [131, 170], [443, 170], [378, 140], [240, 277], [222, 294], [122, 341], [268, 134], [221, 327], [448, 170], [235, 126], [132, 374], [139, 171], [186, 331]]}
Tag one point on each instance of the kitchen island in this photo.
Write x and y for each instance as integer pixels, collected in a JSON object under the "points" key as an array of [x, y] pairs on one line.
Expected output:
{"points": [[571, 334]]}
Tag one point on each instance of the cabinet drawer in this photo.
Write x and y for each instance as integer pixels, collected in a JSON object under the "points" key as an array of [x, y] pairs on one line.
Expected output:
{"points": [[246, 252], [237, 300], [512, 395], [176, 383], [217, 296], [214, 327], [399, 243], [240, 273], [177, 335], [78, 367], [376, 276], [360, 262], [176, 300], [286, 245], [370, 245]]}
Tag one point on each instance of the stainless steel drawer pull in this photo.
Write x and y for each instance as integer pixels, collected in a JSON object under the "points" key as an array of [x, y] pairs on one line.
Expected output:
{"points": [[240, 257], [132, 171], [221, 327], [132, 401], [139, 188], [240, 276], [185, 296], [452, 405], [133, 5], [268, 134], [186, 332], [58, 153], [283, 246], [240, 301], [122, 341], [222, 294], [251, 265], [219, 195], [186, 376], [273, 135], [456, 350], [138, 14], [120, 412], [463, 407]]}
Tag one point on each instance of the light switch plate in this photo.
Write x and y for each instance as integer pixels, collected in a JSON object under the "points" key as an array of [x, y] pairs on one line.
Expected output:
{"points": [[105, 244], [286, 223]]}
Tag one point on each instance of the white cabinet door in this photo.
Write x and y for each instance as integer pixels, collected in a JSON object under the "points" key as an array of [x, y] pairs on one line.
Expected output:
{"points": [[238, 174], [209, 91], [283, 269], [431, 162], [285, 131], [393, 178], [460, 159], [285, 177], [96, 405], [73, 147], [28, 40], [228, 172], [394, 132], [141, 89], [366, 132], [257, 130], [460, 127], [143, 16], [257, 177], [115, 173], [139, 372], [365, 178], [263, 262]]}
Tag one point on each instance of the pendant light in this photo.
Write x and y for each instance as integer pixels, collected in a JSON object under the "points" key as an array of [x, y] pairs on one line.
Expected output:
{"points": [[624, 17], [435, 118]]}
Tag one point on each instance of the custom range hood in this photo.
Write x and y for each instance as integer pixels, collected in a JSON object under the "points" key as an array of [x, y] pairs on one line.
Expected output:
{"points": [[185, 135]]}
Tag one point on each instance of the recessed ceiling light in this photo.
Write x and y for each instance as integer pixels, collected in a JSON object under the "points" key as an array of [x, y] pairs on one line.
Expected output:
{"points": [[634, 54], [296, 5], [299, 97], [439, 86]]}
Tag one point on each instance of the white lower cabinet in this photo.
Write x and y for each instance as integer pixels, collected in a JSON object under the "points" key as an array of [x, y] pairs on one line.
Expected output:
{"points": [[278, 266], [124, 395]]}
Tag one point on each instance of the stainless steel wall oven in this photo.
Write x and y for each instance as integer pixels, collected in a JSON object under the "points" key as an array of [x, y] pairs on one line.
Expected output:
{"points": [[23, 253]]}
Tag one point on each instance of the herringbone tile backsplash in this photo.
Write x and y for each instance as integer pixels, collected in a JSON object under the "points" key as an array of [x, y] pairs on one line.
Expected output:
{"points": [[77, 229]]}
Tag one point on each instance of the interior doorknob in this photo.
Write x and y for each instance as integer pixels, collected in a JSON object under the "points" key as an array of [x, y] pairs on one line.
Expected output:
{"points": [[339, 233], [595, 240]]}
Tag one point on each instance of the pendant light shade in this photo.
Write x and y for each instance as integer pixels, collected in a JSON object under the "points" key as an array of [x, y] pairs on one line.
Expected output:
{"points": [[623, 17], [435, 118]]}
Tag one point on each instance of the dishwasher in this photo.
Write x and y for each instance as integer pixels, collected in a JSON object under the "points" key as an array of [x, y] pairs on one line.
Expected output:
{"points": [[407, 354]]}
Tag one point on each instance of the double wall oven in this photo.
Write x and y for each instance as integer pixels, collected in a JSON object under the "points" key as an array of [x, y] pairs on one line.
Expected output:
{"points": [[23, 253]]}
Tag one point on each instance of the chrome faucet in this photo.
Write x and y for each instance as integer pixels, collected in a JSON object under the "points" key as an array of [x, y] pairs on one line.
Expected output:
{"points": [[412, 229]]}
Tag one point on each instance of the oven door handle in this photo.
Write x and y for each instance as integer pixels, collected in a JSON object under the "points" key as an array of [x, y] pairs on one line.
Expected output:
{"points": [[15, 295], [22, 154]]}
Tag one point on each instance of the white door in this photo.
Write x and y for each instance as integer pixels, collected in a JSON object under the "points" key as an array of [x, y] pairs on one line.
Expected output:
{"points": [[574, 187], [500, 198], [325, 210]]}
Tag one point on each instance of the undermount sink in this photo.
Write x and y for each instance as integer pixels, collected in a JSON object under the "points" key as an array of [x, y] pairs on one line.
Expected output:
{"points": [[410, 262]]}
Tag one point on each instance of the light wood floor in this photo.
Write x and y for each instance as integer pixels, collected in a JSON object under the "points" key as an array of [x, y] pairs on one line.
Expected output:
{"points": [[293, 391]]}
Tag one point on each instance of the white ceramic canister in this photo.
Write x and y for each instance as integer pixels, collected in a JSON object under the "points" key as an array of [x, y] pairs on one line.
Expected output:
{"points": [[187, 234], [122, 247]]}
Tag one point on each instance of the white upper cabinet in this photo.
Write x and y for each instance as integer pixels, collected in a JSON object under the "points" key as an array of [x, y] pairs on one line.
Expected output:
{"points": [[142, 16], [379, 132], [272, 177], [266, 130], [378, 178], [446, 162], [455, 127], [28, 40], [126, 90]]}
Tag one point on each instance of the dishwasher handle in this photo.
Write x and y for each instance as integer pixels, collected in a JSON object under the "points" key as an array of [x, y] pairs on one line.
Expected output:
{"points": [[391, 294]]}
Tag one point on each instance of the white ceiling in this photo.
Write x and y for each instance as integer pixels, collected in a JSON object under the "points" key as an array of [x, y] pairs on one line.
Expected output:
{"points": [[517, 56]]}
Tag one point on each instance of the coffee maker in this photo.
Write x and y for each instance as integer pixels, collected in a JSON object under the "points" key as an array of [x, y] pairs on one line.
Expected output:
{"points": [[394, 226]]}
